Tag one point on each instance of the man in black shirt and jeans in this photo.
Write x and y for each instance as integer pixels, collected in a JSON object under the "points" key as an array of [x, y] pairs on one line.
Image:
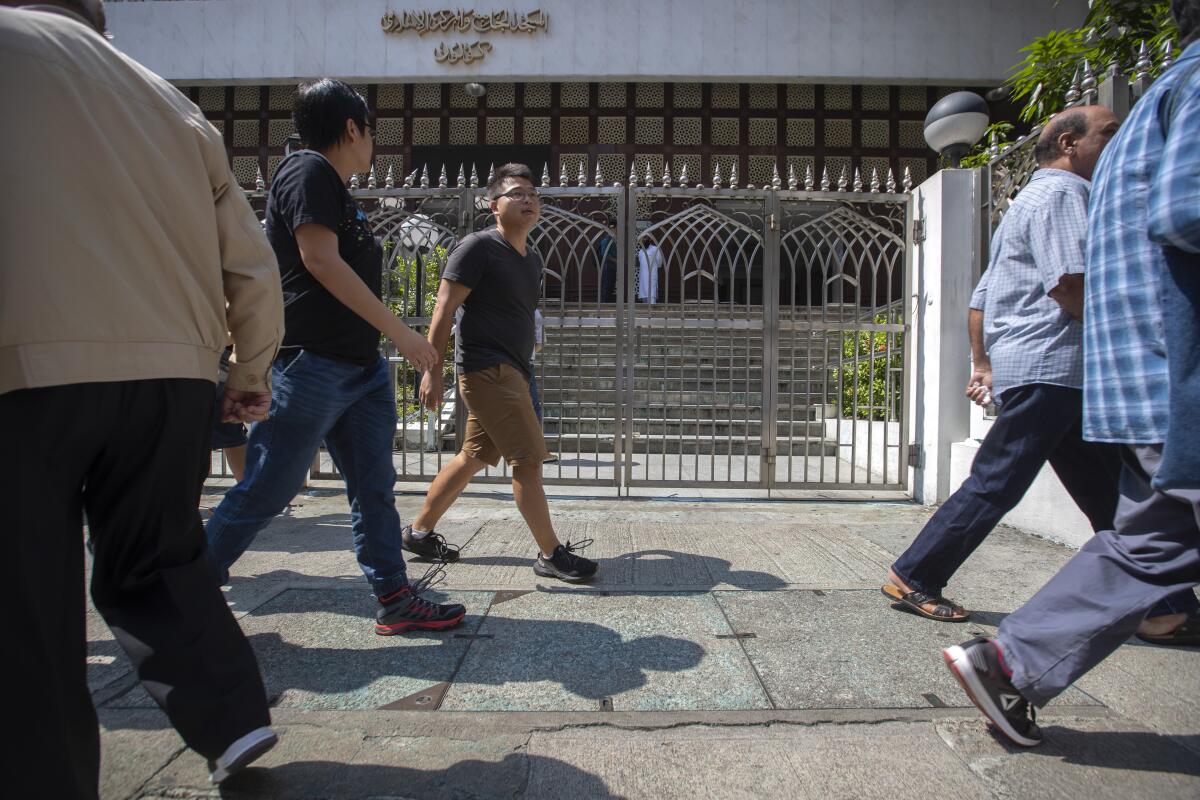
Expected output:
{"points": [[496, 277], [329, 382]]}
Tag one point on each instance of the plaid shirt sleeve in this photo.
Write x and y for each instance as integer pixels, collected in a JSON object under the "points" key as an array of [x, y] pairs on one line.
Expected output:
{"points": [[1174, 195], [1058, 248]]}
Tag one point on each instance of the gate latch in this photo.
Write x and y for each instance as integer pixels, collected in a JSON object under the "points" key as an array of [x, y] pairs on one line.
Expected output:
{"points": [[914, 455], [772, 222]]}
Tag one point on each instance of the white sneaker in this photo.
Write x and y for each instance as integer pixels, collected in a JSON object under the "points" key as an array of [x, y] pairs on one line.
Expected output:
{"points": [[242, 753]]}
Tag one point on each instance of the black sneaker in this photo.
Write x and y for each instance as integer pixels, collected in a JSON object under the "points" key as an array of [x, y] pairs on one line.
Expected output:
{"points": [[431, 546], [406, 610], [977, 665], [565, 565]]}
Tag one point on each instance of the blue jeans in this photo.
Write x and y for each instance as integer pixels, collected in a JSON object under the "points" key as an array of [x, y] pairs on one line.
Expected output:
{"points": [[351, 408]]}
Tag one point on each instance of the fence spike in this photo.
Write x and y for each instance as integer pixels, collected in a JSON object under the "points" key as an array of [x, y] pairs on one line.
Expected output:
{"points": [[546, 175], [908, 182], [443, 181], [633, 178], [733, 176], [474, 178], [425, 177], [1072, 95], [389, 180], [371, 182], [993, 145], [599, 174], [1088, 84], [858, 184], [683, 177], [462, 176], [354, 182], [582, 177], [666, 179], [874, 179], [259, 184], [793, 180], [1168, 57], [412, 178], [563, 178], [717, 175], [649, 175], [843, 180], [491, 173], [891, 181], [825, 179], [776, 183], [1143, 65], [808, 178]]}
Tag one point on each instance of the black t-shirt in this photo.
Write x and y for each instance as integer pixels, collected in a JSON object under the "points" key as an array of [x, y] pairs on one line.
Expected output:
{"points": [[497, 320], [308, 189]]}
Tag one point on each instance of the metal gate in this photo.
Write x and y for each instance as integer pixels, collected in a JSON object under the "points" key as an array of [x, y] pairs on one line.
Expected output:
{"points": [[695, 337]]}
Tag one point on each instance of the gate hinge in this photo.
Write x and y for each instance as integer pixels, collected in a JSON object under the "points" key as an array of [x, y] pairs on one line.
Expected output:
{"points": [[772, 222], [914, 455], [918, 233], [768, 455]]}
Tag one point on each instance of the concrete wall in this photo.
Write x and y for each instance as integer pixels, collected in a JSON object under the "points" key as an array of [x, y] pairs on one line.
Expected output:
{"points": [[869, 41]]}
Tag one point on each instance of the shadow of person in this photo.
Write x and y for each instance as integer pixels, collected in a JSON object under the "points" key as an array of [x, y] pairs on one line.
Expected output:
{"points": [[1143, 751], [672, 568], [516, 775], [585, 659]]}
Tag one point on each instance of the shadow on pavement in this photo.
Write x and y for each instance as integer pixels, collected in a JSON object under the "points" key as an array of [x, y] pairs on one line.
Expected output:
{"points": [[1133, 750], [515, 776]]}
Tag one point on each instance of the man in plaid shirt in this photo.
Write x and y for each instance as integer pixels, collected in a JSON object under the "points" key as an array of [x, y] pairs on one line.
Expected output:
{"points": [[1140, 343]]}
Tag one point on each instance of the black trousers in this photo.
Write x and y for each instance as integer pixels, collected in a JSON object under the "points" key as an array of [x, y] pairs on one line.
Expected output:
{"points": [[133, 455]]}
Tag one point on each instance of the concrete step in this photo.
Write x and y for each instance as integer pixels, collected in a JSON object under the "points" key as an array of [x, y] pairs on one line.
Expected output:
{"points": [[657, 444], [577, 409], [679, 428]]}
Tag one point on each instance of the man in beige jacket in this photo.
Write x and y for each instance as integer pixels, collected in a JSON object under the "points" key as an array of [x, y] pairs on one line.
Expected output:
{"points": [[123, 235]]}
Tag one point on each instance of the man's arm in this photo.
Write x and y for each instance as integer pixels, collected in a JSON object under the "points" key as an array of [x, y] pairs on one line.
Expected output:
{"points": [[1174, 207], [450, 296], [250, 279], [979, 387], [319, 252], [1069, 294]]}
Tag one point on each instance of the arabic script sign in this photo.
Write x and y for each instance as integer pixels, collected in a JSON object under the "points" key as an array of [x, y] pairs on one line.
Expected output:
{"points": [[463, 21]]}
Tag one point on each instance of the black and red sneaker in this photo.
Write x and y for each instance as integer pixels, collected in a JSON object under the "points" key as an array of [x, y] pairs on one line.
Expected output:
{"points": [[405, 610], [979, 667]]}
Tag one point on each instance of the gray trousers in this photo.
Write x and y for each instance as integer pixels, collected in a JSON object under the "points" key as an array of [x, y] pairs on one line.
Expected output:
{"points": [[1099, 598]]}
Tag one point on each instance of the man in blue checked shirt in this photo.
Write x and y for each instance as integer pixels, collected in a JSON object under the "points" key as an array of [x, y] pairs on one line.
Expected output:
{"points": [[1028, 352], [1140, 346]]}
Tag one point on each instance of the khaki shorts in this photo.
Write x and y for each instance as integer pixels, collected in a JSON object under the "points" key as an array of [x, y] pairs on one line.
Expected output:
{"points": [[501, 420]]}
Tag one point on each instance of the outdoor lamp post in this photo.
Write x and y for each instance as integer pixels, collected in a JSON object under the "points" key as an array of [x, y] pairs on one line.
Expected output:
{"points": [[955, 123]]}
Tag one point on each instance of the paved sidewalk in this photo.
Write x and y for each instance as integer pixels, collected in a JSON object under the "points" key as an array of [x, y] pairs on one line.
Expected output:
{"points": [[729, 649]]}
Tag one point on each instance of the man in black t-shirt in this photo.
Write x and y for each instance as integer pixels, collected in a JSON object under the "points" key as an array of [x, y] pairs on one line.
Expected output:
{"points": [[496, 275], [329, 382]]}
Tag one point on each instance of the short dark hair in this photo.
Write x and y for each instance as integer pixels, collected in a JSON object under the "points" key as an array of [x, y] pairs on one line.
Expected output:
{"points": [[1072, 121], [503, 173], [1187, 17], [321, 110]]}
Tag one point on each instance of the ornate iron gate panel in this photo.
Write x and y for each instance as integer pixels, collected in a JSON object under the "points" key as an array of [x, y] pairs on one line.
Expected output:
{"points": [[842, 323], [697, 382], [580, 231]]}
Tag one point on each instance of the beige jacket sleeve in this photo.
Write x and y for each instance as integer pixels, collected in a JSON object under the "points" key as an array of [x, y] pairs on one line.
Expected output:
{"points": [[250, 274]]}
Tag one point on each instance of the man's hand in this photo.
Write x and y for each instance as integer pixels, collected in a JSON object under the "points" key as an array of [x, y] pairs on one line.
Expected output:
{"points": [[431, 389], [420, 353], [1069, 294], [979, 387], [239, 406]]}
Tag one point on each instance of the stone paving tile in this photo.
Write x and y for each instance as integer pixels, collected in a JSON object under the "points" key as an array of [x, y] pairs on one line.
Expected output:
{"points": [[317, 649], [848, 649], [853, 761], [1096, 758], [568, 651]]}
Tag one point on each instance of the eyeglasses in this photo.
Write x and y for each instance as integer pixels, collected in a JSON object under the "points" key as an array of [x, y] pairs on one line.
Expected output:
{"points": [[520, 195]]}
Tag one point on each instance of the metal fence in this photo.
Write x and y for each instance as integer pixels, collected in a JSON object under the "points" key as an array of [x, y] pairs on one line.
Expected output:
{"points": [[721, 336]]}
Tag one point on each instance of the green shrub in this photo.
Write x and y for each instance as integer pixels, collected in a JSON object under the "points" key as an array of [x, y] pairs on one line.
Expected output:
{"points": [[864, 387]]}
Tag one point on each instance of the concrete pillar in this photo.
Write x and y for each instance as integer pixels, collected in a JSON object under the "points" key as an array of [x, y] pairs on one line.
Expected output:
{"points": [[948, 208]]}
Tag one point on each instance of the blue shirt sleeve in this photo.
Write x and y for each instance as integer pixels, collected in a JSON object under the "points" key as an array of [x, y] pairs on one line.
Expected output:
{"points": [[1174, 196], [1057, 237], [979, 296]]}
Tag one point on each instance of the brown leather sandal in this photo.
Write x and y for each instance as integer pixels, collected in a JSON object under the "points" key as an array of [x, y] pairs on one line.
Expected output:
{"points": [[944, 611]]}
